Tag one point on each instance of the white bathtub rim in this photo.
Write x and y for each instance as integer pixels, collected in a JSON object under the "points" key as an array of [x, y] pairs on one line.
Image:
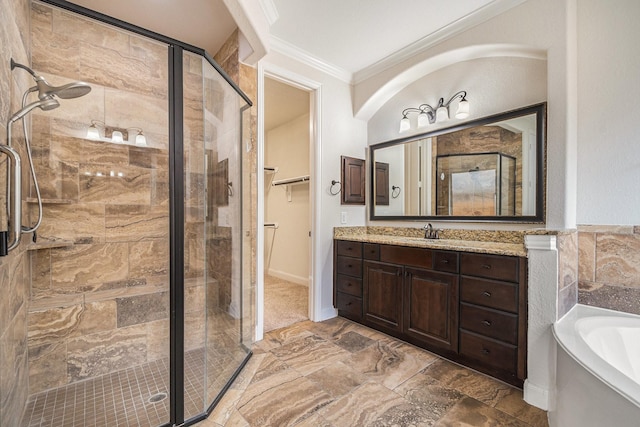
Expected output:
{"points": [[566, 336]]}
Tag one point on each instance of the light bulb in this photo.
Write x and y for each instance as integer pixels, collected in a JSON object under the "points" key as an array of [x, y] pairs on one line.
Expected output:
{"points": [[141, 139], [405, 124], [116, 137], [93, 132], [463, 109]]}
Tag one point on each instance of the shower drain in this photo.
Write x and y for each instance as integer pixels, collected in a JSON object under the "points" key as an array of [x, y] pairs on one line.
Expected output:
{"points": [[158, 397]]}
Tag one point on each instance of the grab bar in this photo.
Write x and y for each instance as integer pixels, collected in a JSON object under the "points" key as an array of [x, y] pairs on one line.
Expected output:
{"points": [[16, 218]]}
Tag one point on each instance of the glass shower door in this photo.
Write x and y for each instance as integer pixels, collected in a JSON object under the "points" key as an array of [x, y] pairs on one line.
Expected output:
{"points": [[213, 290]]}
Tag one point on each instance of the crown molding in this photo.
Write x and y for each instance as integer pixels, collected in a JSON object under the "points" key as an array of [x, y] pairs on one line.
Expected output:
{"points": [[305, 57], [466, 22], [270, 11]]}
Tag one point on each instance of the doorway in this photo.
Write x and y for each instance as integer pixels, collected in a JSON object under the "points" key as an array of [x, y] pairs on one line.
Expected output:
{"points": [[287, 204]]}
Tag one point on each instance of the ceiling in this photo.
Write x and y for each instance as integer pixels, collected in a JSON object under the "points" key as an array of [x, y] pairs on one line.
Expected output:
{"points": [[355, 34]]}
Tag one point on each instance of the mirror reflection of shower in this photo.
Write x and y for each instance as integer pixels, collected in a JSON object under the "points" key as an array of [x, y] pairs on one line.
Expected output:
{"points": [[48, 96]]}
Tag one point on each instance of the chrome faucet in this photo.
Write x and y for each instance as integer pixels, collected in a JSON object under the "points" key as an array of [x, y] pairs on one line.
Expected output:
{"points": [[429, 232]]}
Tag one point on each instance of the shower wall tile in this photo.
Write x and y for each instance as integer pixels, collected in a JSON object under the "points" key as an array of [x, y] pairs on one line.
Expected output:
{"points": [[610, 267], [54, 53], [149, 158], [159, 187], [58, 181], [79, 223], [142, 309], [104, 352], [157, 339], [47, 366], [103, 153], [146, 112], [149, 258], [97, 185], [82, 267], [14, 278], [92, 32], [129, 223], [151, 285]]}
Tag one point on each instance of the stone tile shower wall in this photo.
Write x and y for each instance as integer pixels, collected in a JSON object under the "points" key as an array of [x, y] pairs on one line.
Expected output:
{"points": [[100, 303], [567, 244], [14, 273], [610, 267]]}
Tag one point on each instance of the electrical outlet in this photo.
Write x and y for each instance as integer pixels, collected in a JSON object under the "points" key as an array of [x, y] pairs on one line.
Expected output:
{"points": [[343, 217]]}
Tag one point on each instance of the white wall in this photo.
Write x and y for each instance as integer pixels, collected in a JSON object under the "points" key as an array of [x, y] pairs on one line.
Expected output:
{"points": [[286, 249], [339, 134], [608, 112]]}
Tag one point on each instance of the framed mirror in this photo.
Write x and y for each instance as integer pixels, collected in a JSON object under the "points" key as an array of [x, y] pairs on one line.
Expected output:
{"points": [[490, 169]]}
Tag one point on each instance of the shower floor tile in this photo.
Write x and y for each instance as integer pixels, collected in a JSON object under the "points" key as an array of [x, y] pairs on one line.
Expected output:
{"points": [[136, 396]]}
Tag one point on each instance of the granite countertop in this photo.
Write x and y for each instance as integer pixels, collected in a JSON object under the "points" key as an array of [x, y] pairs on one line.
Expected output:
{"points": [[510, 243]]}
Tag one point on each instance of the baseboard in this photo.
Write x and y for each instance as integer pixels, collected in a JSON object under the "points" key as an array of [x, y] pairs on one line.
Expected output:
{"points": [[536, 396], [304, 281]]}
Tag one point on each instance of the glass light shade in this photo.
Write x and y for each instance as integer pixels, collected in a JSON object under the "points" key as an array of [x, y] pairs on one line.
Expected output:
{"points": [[463, 110], [423, 119], [116, 137], [93, 132], [405, 124], [442, 114], [141, 139]]}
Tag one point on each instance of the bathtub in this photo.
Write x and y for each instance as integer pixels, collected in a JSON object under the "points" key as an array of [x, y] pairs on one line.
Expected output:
{"points": [[598, 369]]}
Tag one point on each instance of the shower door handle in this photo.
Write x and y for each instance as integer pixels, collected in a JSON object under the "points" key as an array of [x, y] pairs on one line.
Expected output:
{"points": [[15, 217]]}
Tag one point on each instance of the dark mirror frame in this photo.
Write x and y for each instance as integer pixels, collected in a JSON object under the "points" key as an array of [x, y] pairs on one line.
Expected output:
{"points": [[540, 110]]}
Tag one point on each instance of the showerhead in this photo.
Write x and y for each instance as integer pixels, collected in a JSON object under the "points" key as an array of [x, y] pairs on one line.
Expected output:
{"points": [[68, 91], [44, 104], [46, 90]]}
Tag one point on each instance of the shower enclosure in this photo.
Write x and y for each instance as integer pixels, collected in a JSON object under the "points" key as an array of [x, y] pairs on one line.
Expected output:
{"points": [[138, 311]]}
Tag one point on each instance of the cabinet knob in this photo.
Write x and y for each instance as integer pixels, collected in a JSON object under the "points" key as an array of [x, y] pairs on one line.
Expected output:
{"points": [[349, 265], [486, 266], [485, 351], [487, 294], [486, 322], [348, 304]]}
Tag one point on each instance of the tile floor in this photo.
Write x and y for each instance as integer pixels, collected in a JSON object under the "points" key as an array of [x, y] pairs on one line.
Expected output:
{"points": [[338, 373]]}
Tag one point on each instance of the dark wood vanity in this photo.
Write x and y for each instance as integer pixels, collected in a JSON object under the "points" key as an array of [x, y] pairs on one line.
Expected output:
{"points": [[465, 306]]}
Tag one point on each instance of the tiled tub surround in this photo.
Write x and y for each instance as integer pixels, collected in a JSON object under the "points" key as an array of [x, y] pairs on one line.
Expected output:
{"points": [[609, 269]]}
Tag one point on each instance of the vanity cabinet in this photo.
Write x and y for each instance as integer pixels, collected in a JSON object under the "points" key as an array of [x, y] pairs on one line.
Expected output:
{"points": [[468, 307]]}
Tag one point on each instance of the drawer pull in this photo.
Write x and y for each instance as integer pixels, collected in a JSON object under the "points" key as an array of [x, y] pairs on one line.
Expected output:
{"points": [[445, 261], [487, 294], [485, 351], [350, 266], [486, 322], [348, 304], [486, 266], [349, 249]]}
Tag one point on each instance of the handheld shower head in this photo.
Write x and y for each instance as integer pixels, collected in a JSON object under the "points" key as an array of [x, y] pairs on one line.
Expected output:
{"points": [[68, 91], [46, 90], [44, 104]]}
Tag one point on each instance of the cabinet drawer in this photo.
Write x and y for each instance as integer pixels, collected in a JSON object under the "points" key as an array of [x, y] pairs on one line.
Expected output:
{"points": [[489, 293], [348, 304], [487, 351], [492, 323], [349, 285], [445, 261], [371, 251], [490, 266], [403, 255], [349, 266], [347, 248]]}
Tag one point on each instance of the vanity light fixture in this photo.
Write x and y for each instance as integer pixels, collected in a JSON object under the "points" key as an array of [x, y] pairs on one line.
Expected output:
{"points": [[428, 115], [114, 134]]}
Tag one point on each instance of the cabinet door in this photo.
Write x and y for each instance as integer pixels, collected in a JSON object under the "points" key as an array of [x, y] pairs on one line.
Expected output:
{"points": [[431, 308], [382, 295]]}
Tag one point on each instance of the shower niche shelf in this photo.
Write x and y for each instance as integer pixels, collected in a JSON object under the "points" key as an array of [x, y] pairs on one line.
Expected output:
{"points": [[49, 244], [51, 201]]}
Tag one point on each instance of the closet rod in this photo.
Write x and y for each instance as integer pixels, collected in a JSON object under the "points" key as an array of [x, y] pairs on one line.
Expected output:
{"points": [[296, 180]]}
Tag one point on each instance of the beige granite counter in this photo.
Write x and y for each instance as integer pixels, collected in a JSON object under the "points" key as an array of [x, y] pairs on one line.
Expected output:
{"points": [[509, 243]]}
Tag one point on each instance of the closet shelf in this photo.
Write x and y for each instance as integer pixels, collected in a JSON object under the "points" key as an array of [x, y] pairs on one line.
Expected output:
{"points": [[290, 181]]}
